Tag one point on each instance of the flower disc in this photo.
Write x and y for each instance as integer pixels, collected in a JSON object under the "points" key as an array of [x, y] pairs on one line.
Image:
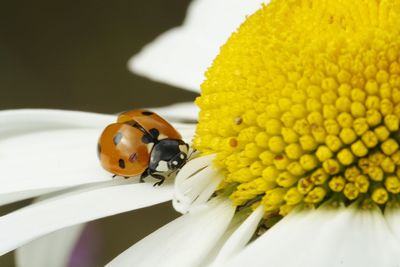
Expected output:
{"points": [[302, 104]]}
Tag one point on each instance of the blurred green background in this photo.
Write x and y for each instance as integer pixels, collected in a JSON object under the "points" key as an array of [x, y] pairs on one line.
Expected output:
{"points": [[73, 55]]}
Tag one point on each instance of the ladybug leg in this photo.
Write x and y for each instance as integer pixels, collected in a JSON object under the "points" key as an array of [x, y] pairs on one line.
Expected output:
{"points": [[114, 176], [158, 176], [144, 175]]}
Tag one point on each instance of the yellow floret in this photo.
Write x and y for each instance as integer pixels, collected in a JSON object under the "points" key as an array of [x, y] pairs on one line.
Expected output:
{"points": [[286, 179], [305, 185], [293, 196], [359, 149], [294, 151], [331, 166], [392, 184], [345, 156], [337, 183], [392, 122], [308, 142], [362, 183], [281, 162], [276, 144], [319, 176], [382, 133], [323, 153], [387, 165], [375, 173], [389, 146], [351, 191], [369, 139], [380, 196], [352, 173], [308, 162], [316, 195], [333, 142]]}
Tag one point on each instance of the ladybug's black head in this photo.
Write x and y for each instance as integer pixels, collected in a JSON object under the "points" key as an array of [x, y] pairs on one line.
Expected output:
{"points": [[177, 161], [168, 155]]}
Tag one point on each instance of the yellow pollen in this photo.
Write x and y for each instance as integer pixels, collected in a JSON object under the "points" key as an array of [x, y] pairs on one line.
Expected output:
{"points": [[302, 105]]}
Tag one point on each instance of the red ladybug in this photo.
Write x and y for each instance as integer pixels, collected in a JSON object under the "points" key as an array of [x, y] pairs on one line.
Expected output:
{"points": [[142, 143]]}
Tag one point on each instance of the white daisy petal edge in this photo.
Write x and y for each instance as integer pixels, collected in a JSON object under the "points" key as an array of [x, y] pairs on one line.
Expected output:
{"points": [[325, 237], [181, 55], [195, 183], [78, 206], [186, 241], [43, 251], [240, 237], [392, 216], [41, 162], [21, 121]]}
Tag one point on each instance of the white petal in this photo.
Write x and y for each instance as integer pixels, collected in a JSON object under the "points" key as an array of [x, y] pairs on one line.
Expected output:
{"points": [[21, 121], [50, 250], [195, 183], [184, 242], [337, 237], [181, 55], [76, 207], [49, 160], [187, 111], [392, 216], [240, 237], [236, 221]]}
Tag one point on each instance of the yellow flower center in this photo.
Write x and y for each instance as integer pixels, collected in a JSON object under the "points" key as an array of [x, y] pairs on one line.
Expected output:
{"points": [[302, 104]]}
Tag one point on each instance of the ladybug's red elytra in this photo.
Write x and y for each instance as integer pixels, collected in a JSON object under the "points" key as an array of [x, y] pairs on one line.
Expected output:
{"points": [[142, 143]]}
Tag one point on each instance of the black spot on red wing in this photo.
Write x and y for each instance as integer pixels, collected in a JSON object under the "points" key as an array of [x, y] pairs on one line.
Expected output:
{"points": [[147, 113], [154, 133], [98, 150], [121, 163], [133, 157], [117, 138]]}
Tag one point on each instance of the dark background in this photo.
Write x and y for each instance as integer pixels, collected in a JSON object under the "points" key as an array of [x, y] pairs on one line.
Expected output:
{"points": [[73, 55]]}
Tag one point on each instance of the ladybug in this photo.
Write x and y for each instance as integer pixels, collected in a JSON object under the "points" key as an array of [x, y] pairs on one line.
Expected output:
{"points": [[142, 143]]}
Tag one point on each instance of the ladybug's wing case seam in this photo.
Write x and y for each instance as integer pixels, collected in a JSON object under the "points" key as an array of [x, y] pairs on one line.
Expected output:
{"points": [[149, 120], [122, 151]]}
